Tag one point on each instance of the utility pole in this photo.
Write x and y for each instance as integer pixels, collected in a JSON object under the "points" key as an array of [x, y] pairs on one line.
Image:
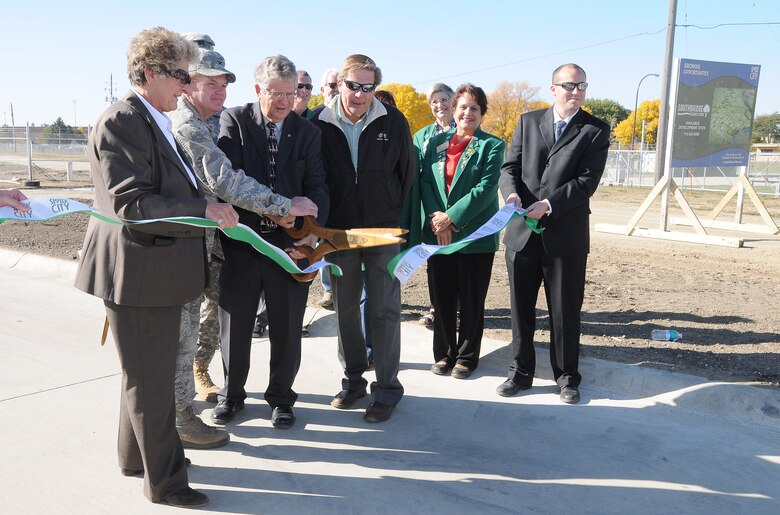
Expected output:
{"points": [[666, 78], [110, 90], [13, 127]]}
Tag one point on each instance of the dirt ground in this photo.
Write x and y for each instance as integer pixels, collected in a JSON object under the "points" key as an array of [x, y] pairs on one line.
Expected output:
{"points": [[723, 300]]}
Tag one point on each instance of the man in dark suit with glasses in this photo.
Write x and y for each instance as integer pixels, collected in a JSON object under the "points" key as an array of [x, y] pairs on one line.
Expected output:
{"points": [[280, 149], [553, 167]]}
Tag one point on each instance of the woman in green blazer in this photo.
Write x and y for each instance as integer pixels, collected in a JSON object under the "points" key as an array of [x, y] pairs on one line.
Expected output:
{"points": [[440, 99], [459, 192]]}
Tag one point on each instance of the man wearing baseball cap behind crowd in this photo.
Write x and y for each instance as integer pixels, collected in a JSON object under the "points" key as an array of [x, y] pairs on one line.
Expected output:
{"points": [[202, 98]]}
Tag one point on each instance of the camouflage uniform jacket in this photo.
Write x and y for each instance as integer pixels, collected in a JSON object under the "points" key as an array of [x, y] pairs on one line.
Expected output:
{"points": [[198, 140]]}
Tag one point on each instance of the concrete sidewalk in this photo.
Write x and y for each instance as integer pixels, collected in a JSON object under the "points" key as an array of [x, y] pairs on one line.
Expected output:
{"points": [[642, 440]]}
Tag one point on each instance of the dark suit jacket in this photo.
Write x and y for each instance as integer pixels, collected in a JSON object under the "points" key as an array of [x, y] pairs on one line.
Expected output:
{"points": [[473, 196], [299, 170], [137, 176], [565, 172]]}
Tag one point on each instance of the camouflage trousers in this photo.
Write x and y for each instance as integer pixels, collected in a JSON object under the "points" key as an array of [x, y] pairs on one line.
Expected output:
{"points": [[208, 337], [198, 324]]}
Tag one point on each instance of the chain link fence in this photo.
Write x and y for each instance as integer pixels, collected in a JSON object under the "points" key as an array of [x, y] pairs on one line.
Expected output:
{"points": [[634, 168], [44, 155]]}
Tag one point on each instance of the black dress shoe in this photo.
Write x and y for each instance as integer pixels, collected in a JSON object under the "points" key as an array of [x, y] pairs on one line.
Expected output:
{"points": [[509, 388], [283, 417], [570, 395], [186, 498], [225, 411], [346, 398], [441, 368], [131, 472], [259, 329], [378, 412], [138, 472], [461, 372]]}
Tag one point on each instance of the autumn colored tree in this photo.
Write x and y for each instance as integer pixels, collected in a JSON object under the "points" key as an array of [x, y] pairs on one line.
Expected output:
{"points": [[412, 104], [506, 104], [649, 111], [315, 100]]}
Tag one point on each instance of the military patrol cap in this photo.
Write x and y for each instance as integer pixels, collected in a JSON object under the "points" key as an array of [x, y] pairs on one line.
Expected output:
{"points": [[211, 64], [200, 39]]}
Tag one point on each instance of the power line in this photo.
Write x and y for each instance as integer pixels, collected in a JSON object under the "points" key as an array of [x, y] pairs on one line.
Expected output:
{"points": [[593, 45], [710, 27], [608, 42]]}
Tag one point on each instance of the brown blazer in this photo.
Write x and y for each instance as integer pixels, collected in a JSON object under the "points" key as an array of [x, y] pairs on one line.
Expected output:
{"points": [[138, 176]]}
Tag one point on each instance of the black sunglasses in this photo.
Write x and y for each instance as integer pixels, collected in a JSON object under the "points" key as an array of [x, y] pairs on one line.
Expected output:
{"points": [[569, 86], [182, 76], [333, 85], [355, 86], [305, 86]]}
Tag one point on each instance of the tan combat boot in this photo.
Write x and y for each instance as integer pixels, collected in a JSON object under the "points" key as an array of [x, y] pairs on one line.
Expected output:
{"points": [[196, 434], [204, 386]]}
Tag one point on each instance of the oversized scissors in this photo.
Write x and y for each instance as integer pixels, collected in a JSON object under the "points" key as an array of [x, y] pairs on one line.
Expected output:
{"points": [[340, 239]]}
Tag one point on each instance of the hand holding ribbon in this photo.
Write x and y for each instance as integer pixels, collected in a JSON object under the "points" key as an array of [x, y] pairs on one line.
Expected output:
{"points": [[406, 263]]}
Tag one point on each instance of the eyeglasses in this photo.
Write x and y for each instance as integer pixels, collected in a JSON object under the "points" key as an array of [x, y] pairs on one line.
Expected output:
{"points": [[440, 101], [182, 76], [278, 95], [569, 86], [305, 86], [356, 86], [333, 85]]}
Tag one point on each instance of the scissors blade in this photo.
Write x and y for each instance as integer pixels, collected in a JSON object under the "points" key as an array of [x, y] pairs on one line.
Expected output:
{"points": [[354, 239]]}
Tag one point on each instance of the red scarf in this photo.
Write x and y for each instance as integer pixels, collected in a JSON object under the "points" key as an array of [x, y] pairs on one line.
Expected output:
{"points": [[454, 151]]}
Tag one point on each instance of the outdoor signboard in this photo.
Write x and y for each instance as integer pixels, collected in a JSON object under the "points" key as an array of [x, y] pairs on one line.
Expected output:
{"points": [[713, 117]]}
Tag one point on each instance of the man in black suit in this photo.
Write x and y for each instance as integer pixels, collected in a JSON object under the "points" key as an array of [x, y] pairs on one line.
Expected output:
{"points": [[280, 149], [553, 167]]}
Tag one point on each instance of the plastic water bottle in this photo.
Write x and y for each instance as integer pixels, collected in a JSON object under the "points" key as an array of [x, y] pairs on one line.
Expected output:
{"points": [[665, 335]]}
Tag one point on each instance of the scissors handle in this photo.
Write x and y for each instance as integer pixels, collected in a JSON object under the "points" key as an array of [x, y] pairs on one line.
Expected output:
{"points": [[309, 226], [312, 255]]}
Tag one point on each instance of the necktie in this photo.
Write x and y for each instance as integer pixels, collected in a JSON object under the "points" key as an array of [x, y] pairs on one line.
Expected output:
{"points": [[273, 152], [559, 126], [266, 224]]}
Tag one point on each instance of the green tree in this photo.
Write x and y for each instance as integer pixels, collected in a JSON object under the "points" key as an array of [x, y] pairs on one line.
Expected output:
{"points": [[649, 110], [766, 128], [608, 110], [506, 104], [59, 133], [412, 104]]}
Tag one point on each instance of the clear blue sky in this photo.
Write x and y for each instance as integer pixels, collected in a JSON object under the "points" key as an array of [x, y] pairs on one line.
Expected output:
{"points": [[61, 52]]}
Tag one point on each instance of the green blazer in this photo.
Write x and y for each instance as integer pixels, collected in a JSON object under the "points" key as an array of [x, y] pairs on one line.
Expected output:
{"points": [[473, 196], [412, 217]]}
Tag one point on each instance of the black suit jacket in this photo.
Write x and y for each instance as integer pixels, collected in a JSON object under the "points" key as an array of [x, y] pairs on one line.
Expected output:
{"points": [[565, 172], [299, 169]]}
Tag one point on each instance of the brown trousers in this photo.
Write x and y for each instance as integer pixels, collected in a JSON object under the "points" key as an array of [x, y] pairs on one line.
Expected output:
{"points": [[146, 340]]}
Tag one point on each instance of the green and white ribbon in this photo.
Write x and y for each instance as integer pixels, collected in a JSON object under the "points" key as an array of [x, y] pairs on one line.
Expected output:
{"points": [[48, 208], [405, 264]]}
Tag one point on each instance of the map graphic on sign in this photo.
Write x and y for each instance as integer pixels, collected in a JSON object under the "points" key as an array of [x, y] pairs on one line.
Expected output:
{"points": [[714, 109], [732, 118]]}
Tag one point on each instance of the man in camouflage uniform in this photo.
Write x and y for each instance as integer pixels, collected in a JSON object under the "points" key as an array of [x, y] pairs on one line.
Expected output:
{"points": [[208, 336], [196, 134]]}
